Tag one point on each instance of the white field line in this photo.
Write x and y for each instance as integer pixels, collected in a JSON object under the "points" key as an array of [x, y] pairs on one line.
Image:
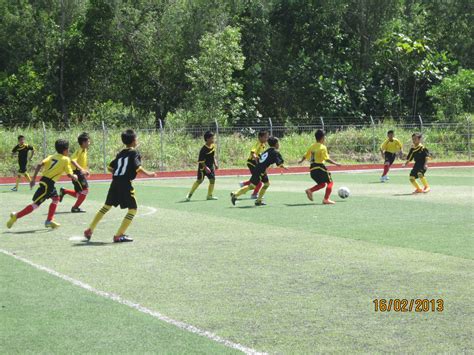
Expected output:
{"points": [[136, 306], [273, 174]]}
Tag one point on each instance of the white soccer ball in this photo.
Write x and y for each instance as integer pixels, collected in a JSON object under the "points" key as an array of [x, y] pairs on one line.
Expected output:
{"points": [[343, 192]]}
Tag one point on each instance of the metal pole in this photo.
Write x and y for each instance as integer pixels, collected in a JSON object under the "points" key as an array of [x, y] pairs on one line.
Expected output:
{"points": [[217, 139], [161, 145], [104, 138], [469, 153], [322, 122], [271, 125], [374, 147], [421, 123], [44, 140]]}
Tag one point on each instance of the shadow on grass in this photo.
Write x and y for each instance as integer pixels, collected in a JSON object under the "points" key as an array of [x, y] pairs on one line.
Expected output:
{"points": [[300, 204], [409, 194], [92, 244], [31, 231]]}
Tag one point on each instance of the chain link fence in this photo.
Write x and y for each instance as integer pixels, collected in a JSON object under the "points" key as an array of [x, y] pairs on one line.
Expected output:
{"points": [[165, 148]]}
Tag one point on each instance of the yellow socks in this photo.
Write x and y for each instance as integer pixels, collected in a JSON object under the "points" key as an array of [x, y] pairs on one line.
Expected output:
{"points": [[244, 190], [424, 182], [17, 182], [127, 220], [262, 191], [27, 176], [99, 215], [194, 187], [414, 183], [210, 189]]}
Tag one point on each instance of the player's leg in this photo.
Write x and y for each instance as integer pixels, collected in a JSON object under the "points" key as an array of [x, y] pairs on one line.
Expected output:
{"points": [[330, 184], [251, 169], [316, 176], [210, 189], [129, 202], [111, 200], [421, 176], [265, 184], [17, 182], [27, 176], [256, 190], [82, 189], [254, 180], [38, 198], [199, 180], [413, 176], [50, 223]]}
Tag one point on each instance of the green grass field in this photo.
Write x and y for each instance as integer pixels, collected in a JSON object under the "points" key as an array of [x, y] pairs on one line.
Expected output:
{"points": [[290, 277]]}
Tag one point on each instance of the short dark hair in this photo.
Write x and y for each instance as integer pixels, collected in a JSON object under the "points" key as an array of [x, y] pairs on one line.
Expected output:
{"points": [[128, 136], [417, 135], [272, 141], [61, 145], [390, 132], [262, 133], [208, 135], [83, 137], [20, 137], [319, 134]]}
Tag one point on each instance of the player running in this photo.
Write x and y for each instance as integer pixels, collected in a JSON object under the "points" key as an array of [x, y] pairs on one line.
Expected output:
{"points": [[252, 161], [389, 149], [420, 154], [22, 150]]}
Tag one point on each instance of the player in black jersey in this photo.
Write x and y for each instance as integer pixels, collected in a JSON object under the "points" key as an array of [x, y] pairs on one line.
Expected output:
{"points": [[22, 150], [207, 165], [267, 158], [124, 169], [420, 154]]}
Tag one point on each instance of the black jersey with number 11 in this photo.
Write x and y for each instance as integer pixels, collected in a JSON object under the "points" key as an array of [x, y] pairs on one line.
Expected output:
{"points": [[125, 165]]}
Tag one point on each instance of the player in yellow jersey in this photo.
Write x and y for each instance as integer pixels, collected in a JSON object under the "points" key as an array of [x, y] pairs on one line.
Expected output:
{"points": [[81, 187], [317, 154], [22, 150], [258, 148], [389, 149], [53, 167]]}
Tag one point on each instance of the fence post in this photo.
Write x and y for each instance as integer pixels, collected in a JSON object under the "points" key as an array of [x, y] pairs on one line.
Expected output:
{"points": [[421, 123], [217, 139], [104, 139], [270, 125], [469, 153], [322, 122], [374, 144], [44, 140], [161, 145]]}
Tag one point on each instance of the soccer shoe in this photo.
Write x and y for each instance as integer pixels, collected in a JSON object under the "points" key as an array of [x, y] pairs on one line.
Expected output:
{"points": [[328, 202], [12, 220], [387, 178], [241, 184], [14, 189], [88, 234], [309, 194], [427, 189], [211, 198], [188, 198], [417, 191], [61, 194], [382, 179], [253, 196], [122, 239], [260, 203], [233, 198], [51, 224], [77, 210]]}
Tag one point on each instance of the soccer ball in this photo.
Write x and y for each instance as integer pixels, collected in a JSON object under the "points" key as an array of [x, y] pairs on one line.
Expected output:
{"points": [[343, 192]]}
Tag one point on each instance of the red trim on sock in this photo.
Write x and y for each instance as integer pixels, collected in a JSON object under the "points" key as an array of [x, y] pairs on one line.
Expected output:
{"points": [[27, 210], [257, 188], [246, 183], [70, 193], [80, 199], [328, 190], [317, 187], [386, 168]]}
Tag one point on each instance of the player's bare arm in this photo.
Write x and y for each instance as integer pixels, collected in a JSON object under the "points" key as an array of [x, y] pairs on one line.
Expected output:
{"points": [[216, 166], [146, 172], [35, 174], [333, 162], [80, 168], [32, 154]]}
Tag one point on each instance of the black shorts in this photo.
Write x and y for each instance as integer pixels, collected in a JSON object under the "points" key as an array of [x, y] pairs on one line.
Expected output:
{"points": [[320, 174], [390, 157], [258, 176], [251, 166], [418, 171], [202, 173], [81, 183], [121, 192], [22, 167], [45, 190]]}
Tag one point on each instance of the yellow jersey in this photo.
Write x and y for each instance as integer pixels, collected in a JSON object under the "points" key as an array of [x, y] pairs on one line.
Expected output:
{"points": [[391, 146], [317, 153], [80, 157], [258, 148], [56, 165]]}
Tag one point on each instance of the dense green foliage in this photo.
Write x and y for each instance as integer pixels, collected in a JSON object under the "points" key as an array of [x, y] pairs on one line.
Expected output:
{"points": [[124, 61]]}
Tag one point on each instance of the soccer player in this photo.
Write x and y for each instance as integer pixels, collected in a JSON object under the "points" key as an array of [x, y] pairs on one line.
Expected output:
{"points": [[124, 169], [421, 155], [389, 149], [207, 165], [267, 158], [252, 161], [317, 154], [22, 150], [81, 187], [53, 167]]}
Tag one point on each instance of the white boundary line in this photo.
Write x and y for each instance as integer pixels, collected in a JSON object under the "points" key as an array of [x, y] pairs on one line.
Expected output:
{"points": [[348, 171], [136, 306]]}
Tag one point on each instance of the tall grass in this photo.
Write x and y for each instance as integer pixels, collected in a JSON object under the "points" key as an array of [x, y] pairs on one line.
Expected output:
{"points": [[180, 149]]}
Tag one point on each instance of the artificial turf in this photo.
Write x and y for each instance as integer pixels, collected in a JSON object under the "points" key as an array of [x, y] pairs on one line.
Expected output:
{"points": [[290, 277]]}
